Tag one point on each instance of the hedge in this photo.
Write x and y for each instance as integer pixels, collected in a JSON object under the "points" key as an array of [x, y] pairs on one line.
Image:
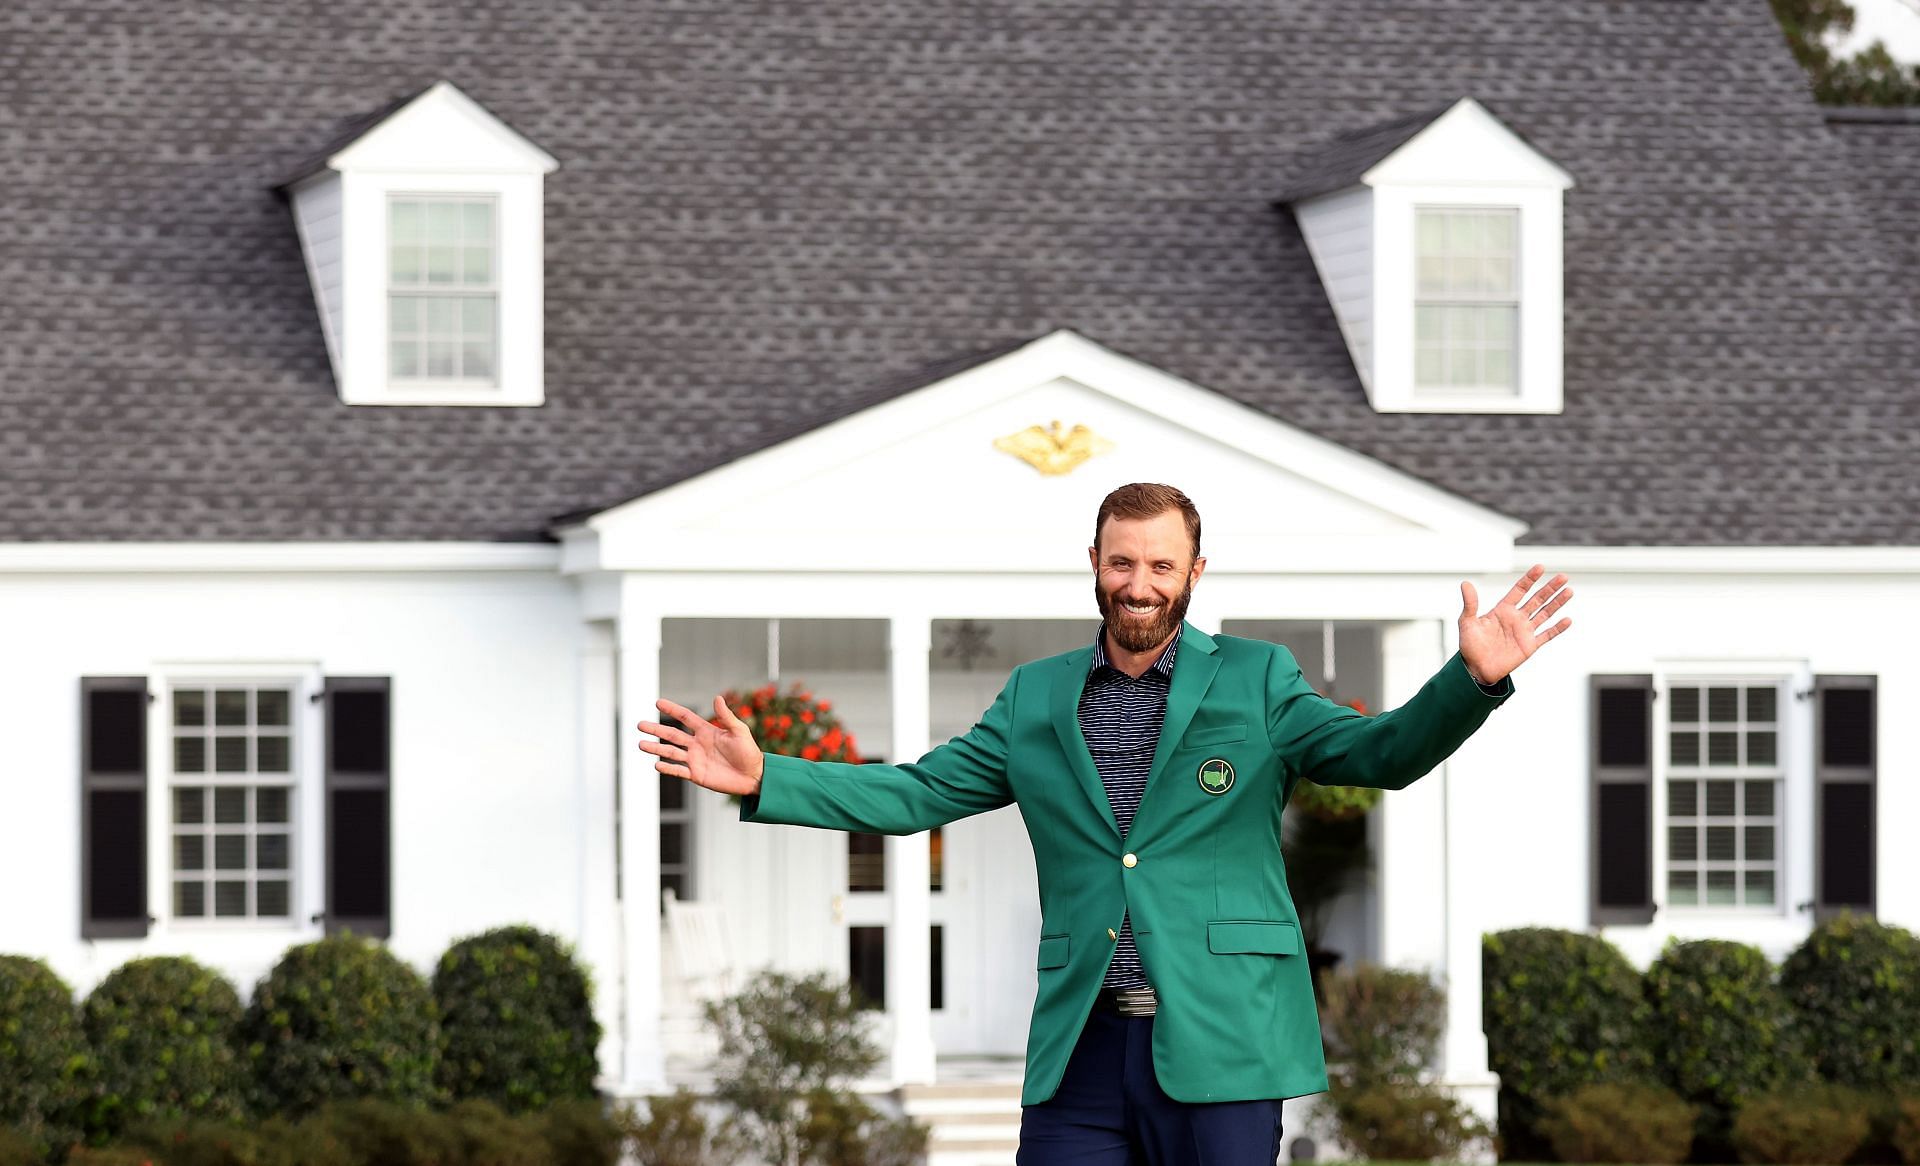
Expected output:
{"points": [[44, 1053], [162, 1032], [1855, 985], [340, 1019], [516, 1020]]}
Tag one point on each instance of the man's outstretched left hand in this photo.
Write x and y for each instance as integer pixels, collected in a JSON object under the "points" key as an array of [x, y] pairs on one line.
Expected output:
{"points": [[1494, 644]]}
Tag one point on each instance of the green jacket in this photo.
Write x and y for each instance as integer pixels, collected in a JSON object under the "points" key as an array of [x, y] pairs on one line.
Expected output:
{"points": [[1217, 931]]}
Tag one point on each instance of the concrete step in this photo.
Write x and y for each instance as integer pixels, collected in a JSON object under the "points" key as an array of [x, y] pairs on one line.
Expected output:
{"points": [[995, 1153]]}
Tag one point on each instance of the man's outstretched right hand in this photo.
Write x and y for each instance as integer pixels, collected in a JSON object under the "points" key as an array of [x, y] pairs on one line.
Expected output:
{"points": [[717, 754]]}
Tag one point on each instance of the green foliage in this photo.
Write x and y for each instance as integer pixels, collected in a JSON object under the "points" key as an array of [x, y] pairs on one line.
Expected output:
{"points": [[580, 1133], [1382, 1025], [1562, 1010], [1325, 858], [516, 1020], [1871, 77], [782, 1038], [793, 723], [43, 1052], [1813, 1126], [842, 1130], [339, 1019], [273, 1142], [161, 1032], [1722, 1031], [1906, 1129], [15, 1150], [109, 1156], [375, 1131], [1404, 1124], [1620, 1123], [1333, 803], [674, 1132], [1855, 985], [483, 1135]]}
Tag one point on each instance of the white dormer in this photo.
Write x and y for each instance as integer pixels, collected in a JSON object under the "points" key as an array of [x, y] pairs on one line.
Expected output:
{"points": [[422, 235], [1438, 239]]}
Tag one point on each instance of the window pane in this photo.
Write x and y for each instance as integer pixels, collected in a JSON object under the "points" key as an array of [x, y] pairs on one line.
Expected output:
{"points": [[476, 265], [406, 264], [1428, 366], [1496, 276], [270, 852], [403, 315], [1759, 844], [1685, 751], [189, 755], [476, 359], [189, 852], [1460, 326], [1430, 232], [270, 804], [273, 898], [1761, 703], [443, 223], [230, 805], [673, 849], [190, 805], [1683, 843], [403, 359], [1498, 368], [1683, 888], [230, 706], [478, 224], [274, 754], [1760, 888], [190, 899], [442, 263], [867, 965], [442, 358], [230, 851], [1721, 888], [1501, 230], [1686, 706], [190, 707], [673, 793], [1720, 844], [476, 316], [229, 898], [1720, 799], [1431, 272], [1723, 748], [1683, 798], [1463, 367], [230, 754], [1760, 799], [866, 863], [1723, 705], [1760, 747], [403, 219], [271, 706]]}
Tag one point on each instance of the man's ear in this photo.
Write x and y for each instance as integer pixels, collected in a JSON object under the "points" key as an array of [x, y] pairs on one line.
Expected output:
{"points": [[1199, 569], [1093, 557]]}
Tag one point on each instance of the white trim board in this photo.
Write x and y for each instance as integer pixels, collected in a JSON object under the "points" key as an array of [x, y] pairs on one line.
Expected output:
{"points": [[142, 558]]}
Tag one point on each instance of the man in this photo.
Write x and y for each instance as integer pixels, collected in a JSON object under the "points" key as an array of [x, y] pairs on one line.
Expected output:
{"points": [[1175, 1010]]}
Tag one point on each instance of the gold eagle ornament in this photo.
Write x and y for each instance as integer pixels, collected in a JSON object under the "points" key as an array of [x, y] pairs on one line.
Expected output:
{"points": [[1056, 450]]}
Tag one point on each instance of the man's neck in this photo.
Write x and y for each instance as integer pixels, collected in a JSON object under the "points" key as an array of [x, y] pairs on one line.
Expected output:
{"points": [[1134, 664]]}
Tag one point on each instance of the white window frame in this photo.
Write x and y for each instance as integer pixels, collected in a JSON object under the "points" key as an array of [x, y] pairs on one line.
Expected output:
{"points": [[1775, 929], [1518, 302], [306, 805], [458, 291]]}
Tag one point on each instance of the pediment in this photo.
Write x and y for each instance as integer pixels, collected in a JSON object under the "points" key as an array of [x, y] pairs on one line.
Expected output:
{"points": [[918, 484]]}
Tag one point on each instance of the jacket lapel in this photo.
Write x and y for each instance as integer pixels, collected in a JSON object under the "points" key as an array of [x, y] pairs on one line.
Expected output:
{"points": [[1193, 671], [1069, 680]]}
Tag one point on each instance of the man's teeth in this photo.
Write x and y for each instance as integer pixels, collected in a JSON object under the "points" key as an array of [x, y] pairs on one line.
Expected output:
{"points": [[1139, 609]]}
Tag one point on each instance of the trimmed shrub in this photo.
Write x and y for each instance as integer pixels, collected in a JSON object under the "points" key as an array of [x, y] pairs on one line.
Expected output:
{"points": [[381, 1133], [484, 1135], [842, 1130], [1810, 1126], [110, 1156], [516, 1020], [44, 1052], [339, 1019], [580, 1133], [1620, 1123], [1906, 1129], [272, 1142], [161, 1031], [674, 1132], [1381, 1025], [1404, 1123], [1855, 985], [1562, 1010], [15, 1150]]}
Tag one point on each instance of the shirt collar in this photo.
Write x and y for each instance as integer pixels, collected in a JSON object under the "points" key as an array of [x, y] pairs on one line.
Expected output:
{"points": [[1163, 665]]}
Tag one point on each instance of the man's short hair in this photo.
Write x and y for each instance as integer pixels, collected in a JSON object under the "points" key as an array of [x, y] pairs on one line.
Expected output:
{"points": [[1148, 500]]}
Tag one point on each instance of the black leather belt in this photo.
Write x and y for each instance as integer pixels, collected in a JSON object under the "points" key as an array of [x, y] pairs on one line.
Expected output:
{"points": [[1127, 1001]]}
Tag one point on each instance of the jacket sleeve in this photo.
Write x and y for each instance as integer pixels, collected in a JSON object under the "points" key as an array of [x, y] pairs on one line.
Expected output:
{"points": [[967, 775], [1331, 744]]}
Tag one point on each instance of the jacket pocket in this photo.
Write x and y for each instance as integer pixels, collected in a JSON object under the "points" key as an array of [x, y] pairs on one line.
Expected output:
{"points": [[1253, 937], [1220, 735], [1053, 951]]}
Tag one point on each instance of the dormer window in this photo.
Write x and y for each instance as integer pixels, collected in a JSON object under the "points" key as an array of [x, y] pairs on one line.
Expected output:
{"points": [[1438, 239], [443, 291], [1466, 311], [422, 232]]}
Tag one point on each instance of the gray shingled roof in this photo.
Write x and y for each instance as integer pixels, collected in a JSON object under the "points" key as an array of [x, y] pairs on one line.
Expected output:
{"points": [[1884, 145], [768, 213], [1339, 163]]}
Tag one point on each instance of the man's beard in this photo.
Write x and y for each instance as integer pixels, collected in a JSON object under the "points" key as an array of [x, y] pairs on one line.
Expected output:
{"points": [[1132, 634]]}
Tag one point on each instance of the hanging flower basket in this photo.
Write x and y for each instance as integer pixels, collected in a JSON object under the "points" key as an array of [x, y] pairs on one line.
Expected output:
{"points": [[793, 723], [1335, 803]]}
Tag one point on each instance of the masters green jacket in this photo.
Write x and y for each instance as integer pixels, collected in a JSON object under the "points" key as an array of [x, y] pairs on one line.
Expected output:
{"points": [[1200, 870]]}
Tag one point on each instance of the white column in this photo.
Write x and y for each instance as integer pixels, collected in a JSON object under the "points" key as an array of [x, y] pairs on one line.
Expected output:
{"points": [[1412, 849], [909, 952], [1463, 1051], [643, 1068], [599, 914]]}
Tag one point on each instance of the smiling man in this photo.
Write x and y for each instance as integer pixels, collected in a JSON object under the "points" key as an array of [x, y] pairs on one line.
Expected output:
{"points": [[1175, 1010]]}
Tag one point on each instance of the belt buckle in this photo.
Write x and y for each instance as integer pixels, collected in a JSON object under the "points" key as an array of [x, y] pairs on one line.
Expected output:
{"points": [[1135, 1001]]}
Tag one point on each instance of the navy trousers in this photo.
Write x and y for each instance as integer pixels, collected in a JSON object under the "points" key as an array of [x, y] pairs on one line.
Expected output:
{"points": [[1110, 1111]]}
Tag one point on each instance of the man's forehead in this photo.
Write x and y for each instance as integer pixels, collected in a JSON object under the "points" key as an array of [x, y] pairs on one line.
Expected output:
{"points": [[1164, 533]]}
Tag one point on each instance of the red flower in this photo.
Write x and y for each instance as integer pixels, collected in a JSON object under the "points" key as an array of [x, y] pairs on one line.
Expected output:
{"points": [[743, 712], [806, 716], [823, 705], [810, 753]]}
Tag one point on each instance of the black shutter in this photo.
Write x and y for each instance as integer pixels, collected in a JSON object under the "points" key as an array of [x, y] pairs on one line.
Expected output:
{"points": [[1845, 727], [358, 788], [113, 807], [1622, 811]]}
